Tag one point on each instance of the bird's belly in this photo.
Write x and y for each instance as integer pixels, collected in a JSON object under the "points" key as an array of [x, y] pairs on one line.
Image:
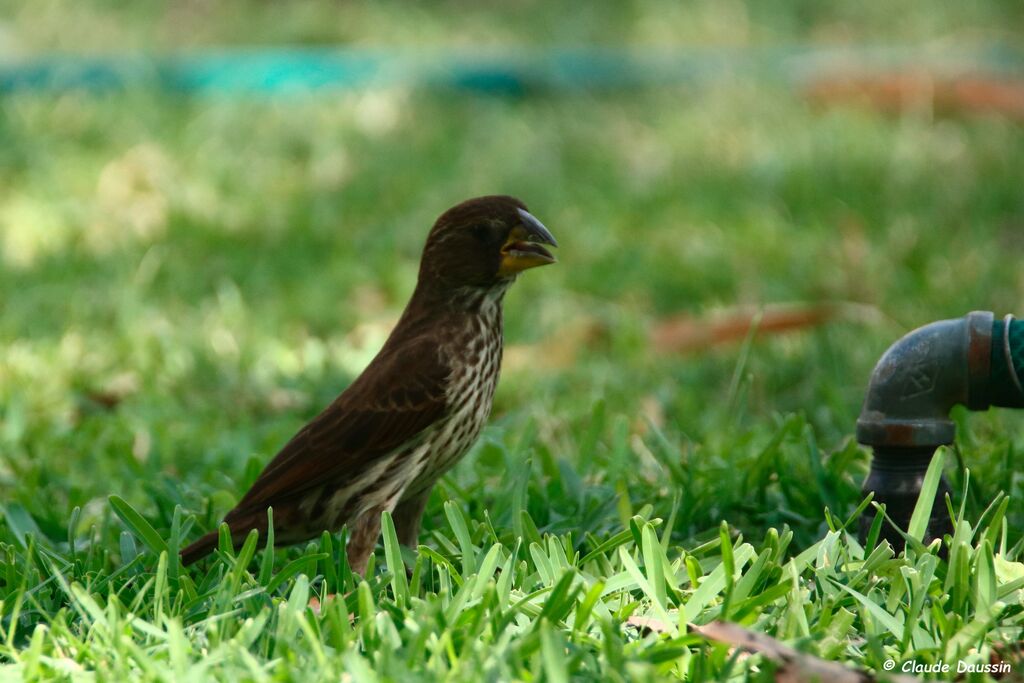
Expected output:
{"points": [[451, 443], [415, 467], [378, 488]]}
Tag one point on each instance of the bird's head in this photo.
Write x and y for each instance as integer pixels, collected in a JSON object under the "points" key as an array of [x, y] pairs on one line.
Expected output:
{"points": [[483, 243]]}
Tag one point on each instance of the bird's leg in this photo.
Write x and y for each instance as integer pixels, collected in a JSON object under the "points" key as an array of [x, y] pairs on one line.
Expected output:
{"points": [[407, 518], [363, 539]]}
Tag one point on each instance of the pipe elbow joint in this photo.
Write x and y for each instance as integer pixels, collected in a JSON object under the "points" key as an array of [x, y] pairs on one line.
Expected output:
{"points": [[921, 377]]}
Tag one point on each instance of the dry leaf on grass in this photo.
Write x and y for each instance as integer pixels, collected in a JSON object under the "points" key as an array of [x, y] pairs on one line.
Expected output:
{"points": [[314, 604], [797, 667], [965, 94], [688, 333], [650, 624]]}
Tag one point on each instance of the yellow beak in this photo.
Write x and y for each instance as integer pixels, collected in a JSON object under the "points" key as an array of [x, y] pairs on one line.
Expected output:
{"points": [[523, 250]]}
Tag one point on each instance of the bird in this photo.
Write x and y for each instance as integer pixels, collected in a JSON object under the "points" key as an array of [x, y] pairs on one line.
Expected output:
{"points": [[419, 405]]}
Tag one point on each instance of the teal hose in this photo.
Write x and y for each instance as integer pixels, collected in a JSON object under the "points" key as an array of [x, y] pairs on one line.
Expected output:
{"points": [[513, 71], [1007, 363]]}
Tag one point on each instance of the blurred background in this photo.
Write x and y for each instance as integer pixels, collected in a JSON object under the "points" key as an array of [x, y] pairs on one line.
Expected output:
{"points": [[211, 213]]}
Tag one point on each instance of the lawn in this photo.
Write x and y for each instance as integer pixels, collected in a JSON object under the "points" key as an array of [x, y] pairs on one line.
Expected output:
{"points": [[185, 280]]}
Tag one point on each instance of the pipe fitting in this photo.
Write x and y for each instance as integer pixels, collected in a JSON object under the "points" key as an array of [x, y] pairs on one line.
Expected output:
{"points": [[921, 377], [973, 361]]}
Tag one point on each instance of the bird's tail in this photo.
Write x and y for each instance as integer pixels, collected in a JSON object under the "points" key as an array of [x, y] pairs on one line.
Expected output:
{"points": [[240, 526]]}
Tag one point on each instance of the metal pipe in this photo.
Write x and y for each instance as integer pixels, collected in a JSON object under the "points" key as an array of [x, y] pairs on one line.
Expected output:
{"points": [[972, 361]]}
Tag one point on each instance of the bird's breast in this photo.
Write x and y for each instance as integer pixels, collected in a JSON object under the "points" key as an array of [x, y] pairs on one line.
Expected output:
{"points": [[475, 359]]}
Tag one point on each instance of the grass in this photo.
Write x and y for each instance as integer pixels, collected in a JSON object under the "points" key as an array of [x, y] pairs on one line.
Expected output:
{"points": [[183, 282]]}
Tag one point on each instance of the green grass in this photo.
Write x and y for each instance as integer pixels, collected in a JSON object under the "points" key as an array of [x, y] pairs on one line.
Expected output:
{"points": [[224, 267]]}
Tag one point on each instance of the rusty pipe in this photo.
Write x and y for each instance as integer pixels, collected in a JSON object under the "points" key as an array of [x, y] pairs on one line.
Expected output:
{"points": [[974, 361]]}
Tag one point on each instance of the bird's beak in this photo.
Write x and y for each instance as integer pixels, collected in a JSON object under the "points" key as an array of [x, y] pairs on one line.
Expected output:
{"points": [[523, 248]]}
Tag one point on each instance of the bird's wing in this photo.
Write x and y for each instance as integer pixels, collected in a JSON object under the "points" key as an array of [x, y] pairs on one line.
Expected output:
{"points": [[400, 394]]}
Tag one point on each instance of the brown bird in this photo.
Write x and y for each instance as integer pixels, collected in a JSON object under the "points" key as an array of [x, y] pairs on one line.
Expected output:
{"points": [[419, 405]]}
